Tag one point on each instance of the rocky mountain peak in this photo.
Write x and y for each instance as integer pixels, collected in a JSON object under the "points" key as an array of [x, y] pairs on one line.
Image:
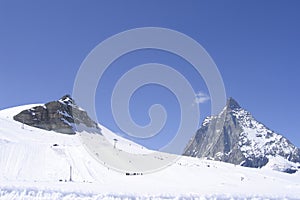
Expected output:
{"points": [[62, 116], [235, 136], [67, 99], [232, 104]]}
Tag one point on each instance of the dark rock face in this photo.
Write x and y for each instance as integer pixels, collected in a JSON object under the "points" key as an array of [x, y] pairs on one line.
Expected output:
{"points": [[256, 162], [218, 138], [234, 136], [60, 116]]}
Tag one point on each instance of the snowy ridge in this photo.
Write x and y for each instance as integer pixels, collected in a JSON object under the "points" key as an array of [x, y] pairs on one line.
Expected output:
{"points": [[123, 144], [257, 140], [207, 120]]}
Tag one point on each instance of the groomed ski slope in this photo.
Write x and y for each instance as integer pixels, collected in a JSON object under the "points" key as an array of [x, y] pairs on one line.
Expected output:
{"points": [[35, 164]]}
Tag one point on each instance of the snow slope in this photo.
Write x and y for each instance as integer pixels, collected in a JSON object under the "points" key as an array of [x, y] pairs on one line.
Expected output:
{"points": [[35, 164]]}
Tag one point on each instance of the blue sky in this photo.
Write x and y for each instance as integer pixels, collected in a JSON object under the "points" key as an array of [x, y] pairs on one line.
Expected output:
{"points": [[255, 45]]}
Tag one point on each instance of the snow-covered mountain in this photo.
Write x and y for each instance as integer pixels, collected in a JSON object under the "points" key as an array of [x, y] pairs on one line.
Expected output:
{"points": [[235, 136], [36, 163]]}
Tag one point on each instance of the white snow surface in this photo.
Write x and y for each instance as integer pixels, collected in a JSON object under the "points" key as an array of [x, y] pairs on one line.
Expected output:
{"points": [[35, 164], [257, 140]]}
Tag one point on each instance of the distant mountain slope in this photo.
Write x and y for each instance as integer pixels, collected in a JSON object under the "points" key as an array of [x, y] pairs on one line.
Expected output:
{"points": [[32, 154], [234, 136]]}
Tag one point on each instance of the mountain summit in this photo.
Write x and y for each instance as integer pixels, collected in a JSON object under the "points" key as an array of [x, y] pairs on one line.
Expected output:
{"points": [[235, 136], [60, 116], [232, 104]]}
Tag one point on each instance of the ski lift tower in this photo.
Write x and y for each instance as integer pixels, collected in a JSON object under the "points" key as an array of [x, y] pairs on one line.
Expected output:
{"points": [[115, 143], [23, 123]]}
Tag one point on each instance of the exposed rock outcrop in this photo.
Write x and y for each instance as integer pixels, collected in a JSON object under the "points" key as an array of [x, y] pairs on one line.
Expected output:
{"points": [[61, 116]]}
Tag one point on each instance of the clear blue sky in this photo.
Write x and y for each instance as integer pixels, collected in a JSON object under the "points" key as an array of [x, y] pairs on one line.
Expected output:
{"points": [[255, 44]]}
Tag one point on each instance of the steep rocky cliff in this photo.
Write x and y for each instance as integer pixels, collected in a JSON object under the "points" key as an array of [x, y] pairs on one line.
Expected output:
{"points": [[60, 116]]}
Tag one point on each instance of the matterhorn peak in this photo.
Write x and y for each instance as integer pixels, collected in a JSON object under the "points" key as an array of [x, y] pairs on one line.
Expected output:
{"points": [[232, 104], [235, 136]]}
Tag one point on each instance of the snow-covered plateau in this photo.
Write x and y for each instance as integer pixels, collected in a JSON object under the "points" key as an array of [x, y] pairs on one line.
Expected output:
{"points": [[40, 164]]}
